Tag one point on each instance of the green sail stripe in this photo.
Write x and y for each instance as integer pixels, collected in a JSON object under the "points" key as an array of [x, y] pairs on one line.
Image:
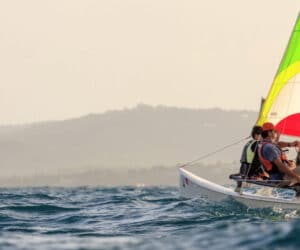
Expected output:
{"points": [[292, 53]]}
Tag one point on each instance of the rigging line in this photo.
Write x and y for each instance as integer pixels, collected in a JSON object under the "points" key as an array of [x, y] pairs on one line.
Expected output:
{"points": [[214, 152]]}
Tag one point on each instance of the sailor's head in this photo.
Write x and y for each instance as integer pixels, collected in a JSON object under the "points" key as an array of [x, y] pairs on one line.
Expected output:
{"points": [[268, 130], [256, 132]]}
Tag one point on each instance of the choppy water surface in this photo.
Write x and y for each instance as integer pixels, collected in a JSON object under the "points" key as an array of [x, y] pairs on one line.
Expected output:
{"points": [[137, 218]]}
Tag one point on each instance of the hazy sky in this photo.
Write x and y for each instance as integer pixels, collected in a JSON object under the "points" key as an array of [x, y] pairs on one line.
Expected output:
{"points": [[66, 58]]}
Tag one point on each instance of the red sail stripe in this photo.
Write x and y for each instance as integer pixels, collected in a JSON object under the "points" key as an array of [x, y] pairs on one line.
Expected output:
{"points": [[290, 125]]}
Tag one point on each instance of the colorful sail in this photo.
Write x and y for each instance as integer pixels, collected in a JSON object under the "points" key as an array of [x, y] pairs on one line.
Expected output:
{"points": [[282, 105]]}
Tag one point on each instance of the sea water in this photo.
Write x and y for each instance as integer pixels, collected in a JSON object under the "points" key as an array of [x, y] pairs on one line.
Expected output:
{"points": [[137, 218]]}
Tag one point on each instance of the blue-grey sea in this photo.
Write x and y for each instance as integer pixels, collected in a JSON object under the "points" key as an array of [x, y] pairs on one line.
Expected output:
{"points": [[137, 218]]}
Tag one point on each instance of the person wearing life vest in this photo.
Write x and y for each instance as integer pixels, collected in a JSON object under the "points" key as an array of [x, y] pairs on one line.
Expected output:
{"points": [[250, 164], [272, 158]]}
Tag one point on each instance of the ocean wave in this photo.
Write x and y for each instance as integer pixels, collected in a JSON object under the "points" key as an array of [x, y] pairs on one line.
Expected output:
{"points": [[143, 218]]}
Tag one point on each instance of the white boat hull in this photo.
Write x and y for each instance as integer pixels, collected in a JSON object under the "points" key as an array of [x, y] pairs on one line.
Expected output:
{"points": [[193, 186]]}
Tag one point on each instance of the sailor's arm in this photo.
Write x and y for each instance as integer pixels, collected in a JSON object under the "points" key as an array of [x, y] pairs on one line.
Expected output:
{"points": [[283, 144], [286, 170]]}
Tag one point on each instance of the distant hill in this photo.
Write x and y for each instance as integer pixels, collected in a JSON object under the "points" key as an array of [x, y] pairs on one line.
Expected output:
{"points": [[142, 137]]}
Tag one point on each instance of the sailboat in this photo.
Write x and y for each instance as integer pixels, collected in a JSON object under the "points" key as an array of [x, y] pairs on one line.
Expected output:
{"points": [[282, 108]]}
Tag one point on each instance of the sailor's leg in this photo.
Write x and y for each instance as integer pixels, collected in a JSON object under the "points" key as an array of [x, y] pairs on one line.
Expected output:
{"points": [[244, 169], [292, 181], [239, 186]]}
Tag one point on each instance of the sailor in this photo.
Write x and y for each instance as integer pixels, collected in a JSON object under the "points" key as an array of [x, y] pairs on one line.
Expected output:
{"points": [[273, 159], [250, 164]]}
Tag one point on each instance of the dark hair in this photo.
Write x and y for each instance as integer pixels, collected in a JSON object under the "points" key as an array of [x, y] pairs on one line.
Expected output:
{"points": [[264, 134], [256, 130]]}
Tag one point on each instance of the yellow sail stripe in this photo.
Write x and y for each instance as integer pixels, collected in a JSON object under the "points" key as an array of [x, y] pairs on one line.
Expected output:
{"points": [[280, 81]]}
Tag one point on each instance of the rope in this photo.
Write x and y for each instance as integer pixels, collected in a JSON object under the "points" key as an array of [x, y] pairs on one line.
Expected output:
{"points": [[214, 152]]}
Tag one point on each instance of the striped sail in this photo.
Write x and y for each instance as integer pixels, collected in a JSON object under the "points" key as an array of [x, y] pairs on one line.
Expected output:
{"points": [[282, 105]]}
